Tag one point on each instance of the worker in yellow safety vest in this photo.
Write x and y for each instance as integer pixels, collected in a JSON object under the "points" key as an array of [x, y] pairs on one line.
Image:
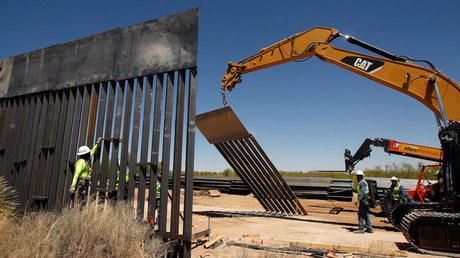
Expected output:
{"points": [[82, 174], [364, 202], [397, 192], [157, 198]]}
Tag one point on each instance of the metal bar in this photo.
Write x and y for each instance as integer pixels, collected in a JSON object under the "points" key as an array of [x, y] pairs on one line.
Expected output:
{"points": [[62, 147], [189, 160], [115, 161], [289, 195], [223, 149], [30, 175], [3, 125], [276, 187], [166, 151], [50, 170], [114, 145], [84, 117], [72, 149], [439, 100], [135, 147], [247, 169], [177, 162], [265, 179], [93, 111], [155, 143], [98, 107], [125, 146], [39, 161], [145, 141], [278, 175], [16, 179], [9, 141], [6, 107], [3, 116]]}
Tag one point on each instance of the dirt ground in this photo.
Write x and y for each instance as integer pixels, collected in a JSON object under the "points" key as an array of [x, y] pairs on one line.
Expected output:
{"points": [[319, 226]]}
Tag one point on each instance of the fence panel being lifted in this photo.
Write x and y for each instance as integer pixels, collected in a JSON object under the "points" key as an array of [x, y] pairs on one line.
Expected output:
{"points": [[240, 149], [123, 85]]}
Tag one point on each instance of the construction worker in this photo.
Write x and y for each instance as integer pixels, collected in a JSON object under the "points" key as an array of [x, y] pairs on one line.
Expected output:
{"points": [[436, 189], [83, 170], [157, 198], [364, 202], [397, 192]]}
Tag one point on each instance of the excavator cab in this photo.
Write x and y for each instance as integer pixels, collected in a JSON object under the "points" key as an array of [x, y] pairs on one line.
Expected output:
{"points": [[450, 141]]}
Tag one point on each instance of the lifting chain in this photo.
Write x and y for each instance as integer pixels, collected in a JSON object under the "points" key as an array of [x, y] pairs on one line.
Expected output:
{"points": [[224, 101]]}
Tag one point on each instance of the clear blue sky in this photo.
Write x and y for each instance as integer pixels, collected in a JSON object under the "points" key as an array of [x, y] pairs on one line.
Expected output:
{"points": [[303, 114]]}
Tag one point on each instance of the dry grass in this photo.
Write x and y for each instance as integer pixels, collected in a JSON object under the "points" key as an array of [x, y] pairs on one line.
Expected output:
{"points": [[90, 231], [8, 199]]}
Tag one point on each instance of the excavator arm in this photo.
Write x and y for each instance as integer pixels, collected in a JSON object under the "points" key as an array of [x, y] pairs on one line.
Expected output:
{"points": [[427, 85], [391, 147]]}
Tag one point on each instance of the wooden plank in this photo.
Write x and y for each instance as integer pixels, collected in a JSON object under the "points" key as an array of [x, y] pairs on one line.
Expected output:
{"points": [[355, 249], [213, 241]]}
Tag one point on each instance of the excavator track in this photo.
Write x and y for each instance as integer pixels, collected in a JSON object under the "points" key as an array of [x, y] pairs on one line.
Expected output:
{"points": [[433, 232]]}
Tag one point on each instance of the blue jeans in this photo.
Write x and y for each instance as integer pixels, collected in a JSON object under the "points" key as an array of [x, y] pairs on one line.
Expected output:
{"points": [[363, 215]]}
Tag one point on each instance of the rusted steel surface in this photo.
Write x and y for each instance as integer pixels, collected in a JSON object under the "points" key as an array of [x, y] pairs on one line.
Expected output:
{"points": [[53, 101], [221, 125], [152, 47], [240, 149]]}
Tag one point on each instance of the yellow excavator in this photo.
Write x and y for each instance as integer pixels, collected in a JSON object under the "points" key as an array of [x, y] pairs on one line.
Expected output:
{"points": [[433, 226]]}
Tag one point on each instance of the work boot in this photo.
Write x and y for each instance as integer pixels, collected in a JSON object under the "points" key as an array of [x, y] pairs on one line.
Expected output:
{"points": [[370, 231], [359, 231]]}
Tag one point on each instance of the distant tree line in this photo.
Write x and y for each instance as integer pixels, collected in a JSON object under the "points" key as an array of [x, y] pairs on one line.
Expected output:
{"points": [[402, 170]]}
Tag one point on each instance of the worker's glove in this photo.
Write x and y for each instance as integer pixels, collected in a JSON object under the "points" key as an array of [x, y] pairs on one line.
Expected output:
{"points": [[356, 203], [72, 190], [99, 140]]}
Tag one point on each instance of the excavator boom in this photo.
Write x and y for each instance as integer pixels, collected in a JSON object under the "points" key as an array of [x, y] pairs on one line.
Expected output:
{"points": [[391, 147], [427, 85], [419, 222]]}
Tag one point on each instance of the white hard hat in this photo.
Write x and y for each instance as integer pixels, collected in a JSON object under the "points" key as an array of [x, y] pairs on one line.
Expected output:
{"points": [[393, 178], [83, 150], [359, 173]]}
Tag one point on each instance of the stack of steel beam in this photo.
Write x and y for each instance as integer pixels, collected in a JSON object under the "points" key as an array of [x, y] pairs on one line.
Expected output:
{"points": [[328, 189]]}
